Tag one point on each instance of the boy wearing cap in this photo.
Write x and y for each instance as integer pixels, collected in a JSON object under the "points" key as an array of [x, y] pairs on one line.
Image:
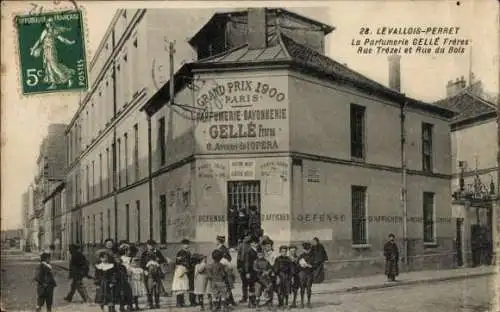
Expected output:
{"points": [[226, 260], [306, 269], [250, 274], [283, 269], [44, 277], [183, 268]]}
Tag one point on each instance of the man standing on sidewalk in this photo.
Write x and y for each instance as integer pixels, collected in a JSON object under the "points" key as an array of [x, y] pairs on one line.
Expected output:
{"points": [[78, 269]]}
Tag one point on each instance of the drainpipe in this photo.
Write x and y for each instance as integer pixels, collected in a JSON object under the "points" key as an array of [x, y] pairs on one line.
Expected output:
{"points": [[114, 153], [150, 177], [404, 183]]}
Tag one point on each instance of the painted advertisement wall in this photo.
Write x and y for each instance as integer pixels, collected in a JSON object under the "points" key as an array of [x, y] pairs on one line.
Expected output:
{"points": [[212, 178], [242, 113]]}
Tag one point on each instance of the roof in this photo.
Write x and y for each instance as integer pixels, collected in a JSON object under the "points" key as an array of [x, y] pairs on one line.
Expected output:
{"points": [[221, 18], [469, 107], [283, 50]]}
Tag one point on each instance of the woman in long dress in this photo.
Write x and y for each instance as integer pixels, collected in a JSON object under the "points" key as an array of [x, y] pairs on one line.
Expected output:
{"points": [[55, 71], [320, 257]]}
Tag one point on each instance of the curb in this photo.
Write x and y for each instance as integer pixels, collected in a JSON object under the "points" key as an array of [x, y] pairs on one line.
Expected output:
{"points": [[402, 283], [356, 289]]}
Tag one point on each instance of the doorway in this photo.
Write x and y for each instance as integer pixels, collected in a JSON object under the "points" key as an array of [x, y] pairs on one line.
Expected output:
{"points": [[241, 195], [458, 242]]}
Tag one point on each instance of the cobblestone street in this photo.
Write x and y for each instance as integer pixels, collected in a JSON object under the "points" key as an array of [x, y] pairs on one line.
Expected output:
{"points": [[465, 295]]}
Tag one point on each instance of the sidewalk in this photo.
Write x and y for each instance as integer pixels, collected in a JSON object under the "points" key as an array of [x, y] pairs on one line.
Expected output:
{"points": [[371, 282]]}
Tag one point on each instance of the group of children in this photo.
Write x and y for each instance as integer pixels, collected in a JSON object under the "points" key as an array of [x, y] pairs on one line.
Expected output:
{"points": [[287, 276], [121, 280]]}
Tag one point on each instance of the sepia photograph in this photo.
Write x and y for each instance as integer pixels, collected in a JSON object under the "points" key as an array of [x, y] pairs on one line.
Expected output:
{"points": [[250, 156]]}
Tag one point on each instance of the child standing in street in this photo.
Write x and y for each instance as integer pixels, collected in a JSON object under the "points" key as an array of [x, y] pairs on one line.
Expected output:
{"points": [[306, 269], [44, 277], [283, 269], [218, 276], [202, 285], [136, 281], [105, 279], [295, 282], [265, 276]]}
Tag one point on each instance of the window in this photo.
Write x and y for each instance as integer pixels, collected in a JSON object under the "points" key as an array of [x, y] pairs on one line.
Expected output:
{"points": [[358, 198], [138, 219], [357, 131], [100, 175], [125, 156], [92, 195], [109, 223], [108, 170], [161, 140], [87, 182], [92, 122], [241, 194], [93, 229], [427, 147], [127, 220], [127, 76], [102, 227], [163, 219], [136, 152], [119, 87], [89, 230], [118, 160], [428, 202]]}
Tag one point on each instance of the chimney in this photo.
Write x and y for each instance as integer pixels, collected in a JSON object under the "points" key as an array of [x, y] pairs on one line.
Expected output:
{"points": [[395, 72], [257, 28], [454, 87]]}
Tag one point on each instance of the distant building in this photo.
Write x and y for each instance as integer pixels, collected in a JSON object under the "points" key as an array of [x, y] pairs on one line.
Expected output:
{"points": [[51, 164], [474, 164], [265, 119], [12, 238]]}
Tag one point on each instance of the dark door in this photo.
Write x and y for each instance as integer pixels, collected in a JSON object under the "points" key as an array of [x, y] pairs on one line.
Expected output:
{"points": [[460, 259], [476, 242], [240, 196]]}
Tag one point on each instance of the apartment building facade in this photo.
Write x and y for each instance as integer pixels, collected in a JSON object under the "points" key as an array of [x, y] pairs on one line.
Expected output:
{"points": [[107, 189], [315, 146]]}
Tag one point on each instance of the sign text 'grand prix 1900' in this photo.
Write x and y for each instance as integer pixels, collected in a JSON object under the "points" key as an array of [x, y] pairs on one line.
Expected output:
{"points": [[233, 115]]}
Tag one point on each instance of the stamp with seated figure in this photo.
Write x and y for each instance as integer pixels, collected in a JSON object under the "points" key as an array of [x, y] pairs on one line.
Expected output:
{"points": [[52, 54]]}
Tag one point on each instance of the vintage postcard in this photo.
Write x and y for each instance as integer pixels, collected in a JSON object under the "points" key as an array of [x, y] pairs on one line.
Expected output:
{"points": [[250, 156]]}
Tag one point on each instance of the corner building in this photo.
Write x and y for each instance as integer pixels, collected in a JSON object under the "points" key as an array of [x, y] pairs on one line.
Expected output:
{"points": [[265, 118]]}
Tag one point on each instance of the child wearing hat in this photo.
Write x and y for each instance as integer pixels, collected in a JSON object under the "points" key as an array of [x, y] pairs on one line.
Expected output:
{"points": [[306, 262], [226, 260], [105, 280], [283, 269], [44, 277], [136, 277]]}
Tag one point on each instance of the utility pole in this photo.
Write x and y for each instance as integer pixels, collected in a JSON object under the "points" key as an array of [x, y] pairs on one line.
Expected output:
{"points": [[171, 53]]}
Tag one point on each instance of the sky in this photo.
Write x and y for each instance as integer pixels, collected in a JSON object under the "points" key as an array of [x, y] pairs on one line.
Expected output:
{"points": [[25, 119]]}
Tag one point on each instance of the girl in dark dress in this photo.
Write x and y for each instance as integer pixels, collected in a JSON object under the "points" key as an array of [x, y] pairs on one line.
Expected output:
{"points": [[105, 280], [320, 257], [283, 269]]}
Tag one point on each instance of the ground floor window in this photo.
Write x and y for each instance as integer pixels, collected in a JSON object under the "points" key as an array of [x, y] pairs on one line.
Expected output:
{"points": [[358, 199], [428, 214], [241, 197], [163, 219]]}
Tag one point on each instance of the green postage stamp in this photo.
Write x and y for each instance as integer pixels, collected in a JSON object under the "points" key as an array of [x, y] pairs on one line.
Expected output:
{"points": [[52, 55]]}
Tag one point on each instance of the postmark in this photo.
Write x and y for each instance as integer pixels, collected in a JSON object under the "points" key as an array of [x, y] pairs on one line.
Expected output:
{"points": [[52, 52]]}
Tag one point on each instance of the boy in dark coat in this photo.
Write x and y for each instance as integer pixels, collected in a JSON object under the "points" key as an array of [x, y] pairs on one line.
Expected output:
{"points": [[306, 271], [295, 281], [218, 276], [44, 277], [283, 269], [250, 274], [391, 254], [243, 248]]}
